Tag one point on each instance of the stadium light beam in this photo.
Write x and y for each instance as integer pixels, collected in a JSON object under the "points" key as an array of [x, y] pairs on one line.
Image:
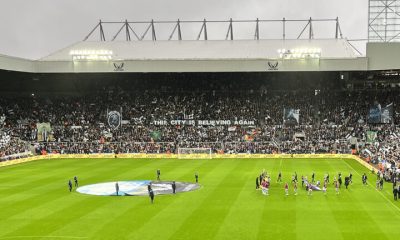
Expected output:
{"points": [[91, 55], [300, 53]]}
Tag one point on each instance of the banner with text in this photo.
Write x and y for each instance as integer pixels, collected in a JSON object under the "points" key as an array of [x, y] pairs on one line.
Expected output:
{"points": [[204, 122]]}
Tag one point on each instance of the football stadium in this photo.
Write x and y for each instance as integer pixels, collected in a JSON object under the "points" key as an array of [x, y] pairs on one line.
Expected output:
{"points": [[129, 134]]}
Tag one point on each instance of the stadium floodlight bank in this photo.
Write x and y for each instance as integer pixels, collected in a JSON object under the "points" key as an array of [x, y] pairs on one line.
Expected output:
{"points": [[194, 153]]}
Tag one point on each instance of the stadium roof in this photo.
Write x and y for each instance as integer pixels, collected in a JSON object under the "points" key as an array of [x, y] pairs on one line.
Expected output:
{"points": [[209, 56], [206, 50]]}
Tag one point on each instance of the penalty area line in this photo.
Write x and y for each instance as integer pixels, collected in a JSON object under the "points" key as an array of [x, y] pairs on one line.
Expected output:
{"points": [[385, 197]]}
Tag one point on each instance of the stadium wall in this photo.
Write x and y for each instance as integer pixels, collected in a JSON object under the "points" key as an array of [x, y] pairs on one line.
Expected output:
{"points": [[223, 65], [383, 56]]}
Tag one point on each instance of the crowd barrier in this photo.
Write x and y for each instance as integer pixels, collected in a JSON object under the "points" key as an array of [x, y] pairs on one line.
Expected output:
{"points": [[187, 156]]}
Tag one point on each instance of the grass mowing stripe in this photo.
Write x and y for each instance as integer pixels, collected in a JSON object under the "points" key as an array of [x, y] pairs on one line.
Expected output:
{"points": [[43, 208], [111, 211], [261, 205], [31, 184], [168, 170], [348, 211], [334, 203], [227, 202], [41, 201], [391, 203], [172, 216], [147, 212], [357, 208], [175, 216], [36, 193], [65, 208], [69, 212], [43, 192], [270, 224], [239, 222], [196, 227]]}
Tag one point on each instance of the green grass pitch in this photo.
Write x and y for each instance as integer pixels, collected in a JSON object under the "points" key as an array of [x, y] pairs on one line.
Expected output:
{"points": [[35, 202]]}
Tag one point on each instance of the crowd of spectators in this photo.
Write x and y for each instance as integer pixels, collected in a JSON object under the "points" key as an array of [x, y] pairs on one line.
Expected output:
{"points": [[79, 124], [11, 145]]}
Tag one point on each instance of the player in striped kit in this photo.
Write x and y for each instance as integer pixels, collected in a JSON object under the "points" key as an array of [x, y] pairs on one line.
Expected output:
{"points": [[324, 187], [337, 187], [295, 188]]}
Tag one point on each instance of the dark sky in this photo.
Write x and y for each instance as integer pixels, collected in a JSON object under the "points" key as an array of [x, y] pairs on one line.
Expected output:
{"points": [[35, 28]]}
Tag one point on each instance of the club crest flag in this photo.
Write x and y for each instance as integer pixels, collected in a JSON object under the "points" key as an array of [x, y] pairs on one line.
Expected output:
{"points": [[114, 119], [291, 116], [371, 136]]}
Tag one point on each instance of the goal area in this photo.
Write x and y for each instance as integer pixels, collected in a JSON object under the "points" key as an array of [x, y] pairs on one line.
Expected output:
{"points": [[194, 153]]}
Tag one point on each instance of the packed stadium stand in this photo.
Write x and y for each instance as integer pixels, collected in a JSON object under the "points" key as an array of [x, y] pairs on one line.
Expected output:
{"points": [[230, 96], [228, 115]]}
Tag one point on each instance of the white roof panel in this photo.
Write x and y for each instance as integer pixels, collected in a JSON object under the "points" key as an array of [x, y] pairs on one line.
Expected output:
{"points": [[206, 50]]}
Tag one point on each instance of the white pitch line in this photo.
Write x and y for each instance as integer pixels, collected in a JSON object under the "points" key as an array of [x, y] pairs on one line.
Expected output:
{"points": [[387, 199], [66, 237]]}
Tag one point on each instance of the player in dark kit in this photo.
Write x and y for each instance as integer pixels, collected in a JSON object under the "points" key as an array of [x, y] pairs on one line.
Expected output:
{"points": [[395, 193], [346, 181], [149, 187], [151, 195], [364, 179], [327, 177], [257, 183], [158, 174], [351, 178], [70, 185], [76, 181], [116, 188], [313, 177], [398, 191], [340, 180], [279, 177], [196, 176], [173, 187]]}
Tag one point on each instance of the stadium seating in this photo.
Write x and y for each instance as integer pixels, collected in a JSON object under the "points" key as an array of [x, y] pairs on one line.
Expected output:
{"points": [[79, 124]]}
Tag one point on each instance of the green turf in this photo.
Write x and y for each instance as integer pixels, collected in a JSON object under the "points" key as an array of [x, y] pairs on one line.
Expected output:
{"points": [[35, 202]]}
